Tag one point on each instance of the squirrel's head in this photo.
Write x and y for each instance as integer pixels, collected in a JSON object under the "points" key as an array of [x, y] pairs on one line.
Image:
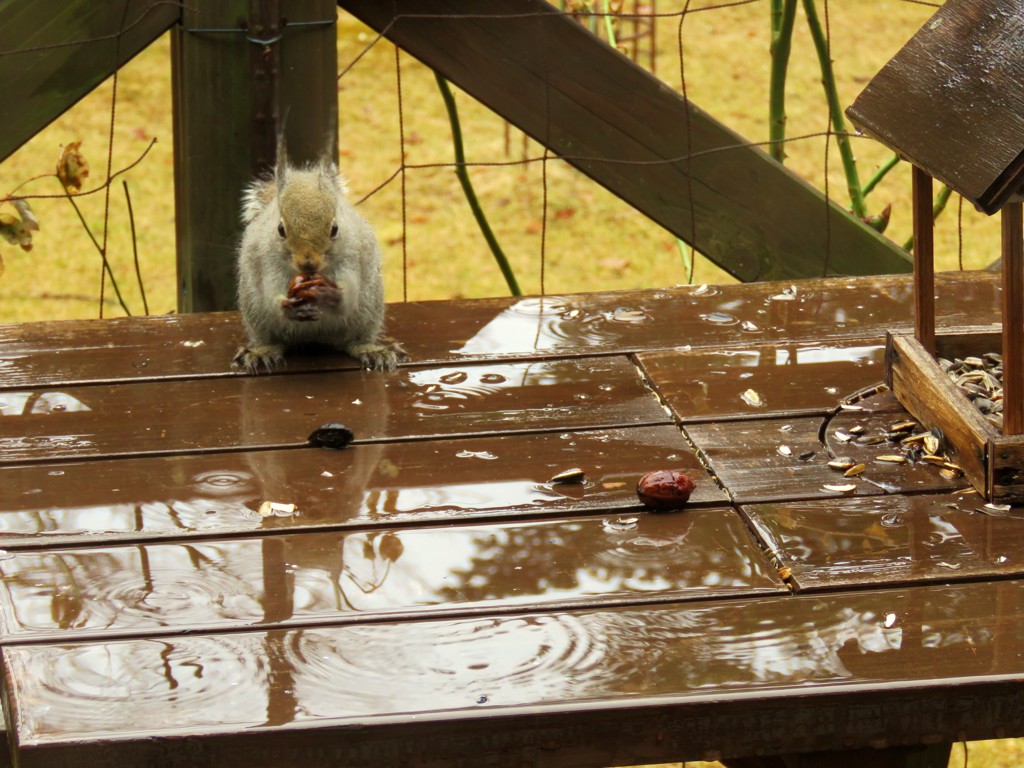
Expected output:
{"points": [[307, 198], [308, 201]]}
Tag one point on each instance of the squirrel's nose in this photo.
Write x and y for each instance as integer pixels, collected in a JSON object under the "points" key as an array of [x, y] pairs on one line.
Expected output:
{"points": [[309, 262]]}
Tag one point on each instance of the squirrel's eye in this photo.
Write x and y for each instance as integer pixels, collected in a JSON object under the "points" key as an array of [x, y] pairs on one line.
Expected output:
{"points": [[280, 229], [334, 230]]}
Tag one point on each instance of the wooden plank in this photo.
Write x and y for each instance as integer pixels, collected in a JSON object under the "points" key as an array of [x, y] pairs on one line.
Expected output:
{"points": [[935, 401], [762, 381], [591, 687], [760, 460], [924, 259], [896, 540], [56, 53], [925, 102], [184, 346], [384, 484], [247, 86], [203, 415], [378, 574], [603, 114], [1013, 319], [1006, 469]]}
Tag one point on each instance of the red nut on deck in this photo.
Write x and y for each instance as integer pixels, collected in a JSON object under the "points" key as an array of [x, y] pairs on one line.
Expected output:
{"points": [[665, 489]]}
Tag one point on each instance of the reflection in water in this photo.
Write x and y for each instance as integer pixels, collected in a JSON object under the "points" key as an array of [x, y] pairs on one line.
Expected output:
{"points": [[331, 576], [164, 683], [486, 661], [890, 539], [360, 485], [771, 646], [38, 403]]}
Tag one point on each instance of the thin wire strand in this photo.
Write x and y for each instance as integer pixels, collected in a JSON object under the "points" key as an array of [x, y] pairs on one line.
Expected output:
{"points": [[689, 131], [828, 137], [98, 39], [110, 155], [960, 242], [544, 164], [402, 169]]}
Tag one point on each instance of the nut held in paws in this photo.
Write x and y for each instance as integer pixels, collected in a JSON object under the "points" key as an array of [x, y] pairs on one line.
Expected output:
{"points": [[665, 489]]}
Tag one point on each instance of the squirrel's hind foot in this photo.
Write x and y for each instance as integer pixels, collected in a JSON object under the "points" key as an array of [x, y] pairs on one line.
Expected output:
{"points": [[254, 359], [384, 355]]}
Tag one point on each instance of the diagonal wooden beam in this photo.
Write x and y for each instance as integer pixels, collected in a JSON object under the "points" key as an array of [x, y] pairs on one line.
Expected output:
{"points": [[634, 135], [53, 53]]}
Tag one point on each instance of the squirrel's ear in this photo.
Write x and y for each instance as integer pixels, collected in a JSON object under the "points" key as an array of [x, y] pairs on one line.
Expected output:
{"points": [[281, 165]]}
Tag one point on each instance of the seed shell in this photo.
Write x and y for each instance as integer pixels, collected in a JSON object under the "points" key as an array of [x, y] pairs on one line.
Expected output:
{"points": [[574, 475], [892, 458], [840, 488]]}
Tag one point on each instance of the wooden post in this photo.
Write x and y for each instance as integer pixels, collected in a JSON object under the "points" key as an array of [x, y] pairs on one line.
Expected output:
{"points": [[236, 70], [1013, 319], [924, 260]]}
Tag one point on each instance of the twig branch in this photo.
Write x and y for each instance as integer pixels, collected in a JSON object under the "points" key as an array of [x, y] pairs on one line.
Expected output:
{"points": [[937, 208], [828, 80], [783, 14], [135, 247], [467, 187], [102, 251], [880, 174]]}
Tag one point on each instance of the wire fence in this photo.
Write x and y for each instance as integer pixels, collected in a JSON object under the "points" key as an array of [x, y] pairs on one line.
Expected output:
{"points": [[674, 40]]}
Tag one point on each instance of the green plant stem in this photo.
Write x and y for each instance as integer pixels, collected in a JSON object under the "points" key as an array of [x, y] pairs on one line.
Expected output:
{"points": [[102, 252], [828, 80], [467, 187], [783, 14], [609, 27], [937, 208], [880, 174], [686, 254]]}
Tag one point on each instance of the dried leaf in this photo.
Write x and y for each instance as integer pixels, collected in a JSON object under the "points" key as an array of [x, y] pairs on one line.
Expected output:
{"points": [[72, 167], [28, 217], [14, 231]]}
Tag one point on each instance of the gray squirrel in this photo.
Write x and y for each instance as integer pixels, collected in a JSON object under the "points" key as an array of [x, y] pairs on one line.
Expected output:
{"points": [[309, 270]]}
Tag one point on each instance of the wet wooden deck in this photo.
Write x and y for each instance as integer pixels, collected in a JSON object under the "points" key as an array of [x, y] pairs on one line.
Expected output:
{"points": [[434, 600]]}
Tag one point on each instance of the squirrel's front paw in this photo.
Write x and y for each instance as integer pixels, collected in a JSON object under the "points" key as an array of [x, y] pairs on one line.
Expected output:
{"points": [[253, 359], [300, 311], [307, 294], [378, 356]]}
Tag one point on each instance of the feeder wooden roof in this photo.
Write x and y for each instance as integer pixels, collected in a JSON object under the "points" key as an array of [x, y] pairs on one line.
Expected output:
{"points": [[952, 100]]}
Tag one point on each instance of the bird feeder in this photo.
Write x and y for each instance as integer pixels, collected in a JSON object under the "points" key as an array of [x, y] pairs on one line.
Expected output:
{"points": [[951, 103]]}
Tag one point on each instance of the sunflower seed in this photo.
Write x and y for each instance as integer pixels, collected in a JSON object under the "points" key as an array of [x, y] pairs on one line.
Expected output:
{"points": [[751, 397], [785, 450], [902, 426], [892, 458], [841, 463], [574, 475], [842, 437], [855, 470], [840, 488]]}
